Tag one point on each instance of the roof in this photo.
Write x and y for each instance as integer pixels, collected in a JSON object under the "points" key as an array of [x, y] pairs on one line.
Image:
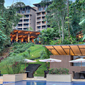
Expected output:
{"points": [[22, 33], [40, 2], [74, 50], [30, 7]]}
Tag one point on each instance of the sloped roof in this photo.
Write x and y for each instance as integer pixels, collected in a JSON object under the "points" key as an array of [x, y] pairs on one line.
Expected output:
{"points": [[74, 50]]}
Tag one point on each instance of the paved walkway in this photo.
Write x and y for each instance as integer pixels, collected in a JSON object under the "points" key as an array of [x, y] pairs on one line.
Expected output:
{"points": [[81, 80], [1, 79]]}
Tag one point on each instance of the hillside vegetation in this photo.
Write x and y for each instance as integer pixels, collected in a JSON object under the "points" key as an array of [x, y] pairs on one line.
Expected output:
{"points": [[27, 50]]}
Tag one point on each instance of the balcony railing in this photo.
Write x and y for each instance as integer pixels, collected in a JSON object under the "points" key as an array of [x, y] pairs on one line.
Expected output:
{"points": [[38, 24], [38, 19]]}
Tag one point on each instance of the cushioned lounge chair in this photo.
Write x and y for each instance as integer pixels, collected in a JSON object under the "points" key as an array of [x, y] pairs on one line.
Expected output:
{"points": [[76, 75]]}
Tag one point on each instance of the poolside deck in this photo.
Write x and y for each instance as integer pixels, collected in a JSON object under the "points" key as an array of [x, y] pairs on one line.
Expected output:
{"points": [[43, 79], [1, 80]]}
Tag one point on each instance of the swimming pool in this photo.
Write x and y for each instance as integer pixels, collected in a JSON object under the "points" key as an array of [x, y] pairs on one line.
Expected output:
{"points": [[33, 82]]}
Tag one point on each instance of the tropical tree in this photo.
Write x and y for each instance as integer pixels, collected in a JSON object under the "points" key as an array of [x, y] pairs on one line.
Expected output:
{"points": [[58, 8], [47, 35], [8, 19]]}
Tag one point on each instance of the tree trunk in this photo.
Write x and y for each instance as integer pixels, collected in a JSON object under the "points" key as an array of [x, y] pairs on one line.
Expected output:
{"points": [[59, 30], [62, 29], [68, 17]]}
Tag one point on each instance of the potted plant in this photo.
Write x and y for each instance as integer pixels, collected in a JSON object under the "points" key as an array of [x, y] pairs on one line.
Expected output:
{"points": [[13, 68], [60, 75]]}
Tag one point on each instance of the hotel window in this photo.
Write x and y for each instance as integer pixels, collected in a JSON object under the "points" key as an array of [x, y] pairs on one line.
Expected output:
{"points": [[78, 64], [26, 20], [25, 28], [43, 27], [48, 26], [38, 27], [26, 25], [19, 25], [19, 28], [43, 13], [43, 17], [18, 12], [20, 21], [27, 11], [38, 23], [39, 8], [27, 16], [45, 8], [23, 12]]}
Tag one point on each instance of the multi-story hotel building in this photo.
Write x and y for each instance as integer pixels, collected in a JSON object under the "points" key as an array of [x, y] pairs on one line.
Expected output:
{"points": [[40, 21], [33, 17], [28, 19]]}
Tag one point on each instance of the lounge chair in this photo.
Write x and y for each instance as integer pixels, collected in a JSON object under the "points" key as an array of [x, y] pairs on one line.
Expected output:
{"points": [[76, 75], [31, 69]]}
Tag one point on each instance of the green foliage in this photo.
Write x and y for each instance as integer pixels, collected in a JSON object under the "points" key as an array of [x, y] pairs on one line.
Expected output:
{"points": [[22, 47], [45, 54], [55, 42], [69, 41], [13, 63], [2, 40], [47, 35], [59, 71], [1, 4], [8, 19]]}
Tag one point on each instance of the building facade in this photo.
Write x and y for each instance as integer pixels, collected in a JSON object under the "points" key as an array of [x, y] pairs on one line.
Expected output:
{"points": [[33, 18], [28, 20], [40, 21]]}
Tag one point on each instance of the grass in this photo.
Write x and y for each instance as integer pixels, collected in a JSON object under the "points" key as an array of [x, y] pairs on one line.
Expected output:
{"points": [[34, 51]]}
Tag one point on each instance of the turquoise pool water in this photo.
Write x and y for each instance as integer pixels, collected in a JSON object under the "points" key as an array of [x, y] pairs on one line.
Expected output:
{"points": [[33, 82]]}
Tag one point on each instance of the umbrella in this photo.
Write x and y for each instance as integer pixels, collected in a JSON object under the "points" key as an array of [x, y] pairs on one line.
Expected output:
{"points": [[50, 60], [28, 61], [80, 60]]}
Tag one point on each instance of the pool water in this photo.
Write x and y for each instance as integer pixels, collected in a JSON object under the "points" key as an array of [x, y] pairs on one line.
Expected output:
{"points": [[33, 82]]}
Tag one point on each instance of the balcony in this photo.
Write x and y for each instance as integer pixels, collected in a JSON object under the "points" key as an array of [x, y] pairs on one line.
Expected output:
{"points": [[21, 18], [44, 23], [19, 22], [39, 20], [43, 14], [43, 27], [26, 26], [38, 24], [39, 15], [19, 26], [26, 22]]}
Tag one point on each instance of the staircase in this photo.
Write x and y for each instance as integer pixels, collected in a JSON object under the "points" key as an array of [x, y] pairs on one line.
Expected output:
{"points": [[32, 68]]}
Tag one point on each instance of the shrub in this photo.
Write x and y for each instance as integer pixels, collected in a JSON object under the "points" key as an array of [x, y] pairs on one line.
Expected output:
{"points": [[59, 71]]}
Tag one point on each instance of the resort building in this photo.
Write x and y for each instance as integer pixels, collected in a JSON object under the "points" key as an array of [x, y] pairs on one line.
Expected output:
{"points": [[28, 20], [40, 21], [33, 18]]}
